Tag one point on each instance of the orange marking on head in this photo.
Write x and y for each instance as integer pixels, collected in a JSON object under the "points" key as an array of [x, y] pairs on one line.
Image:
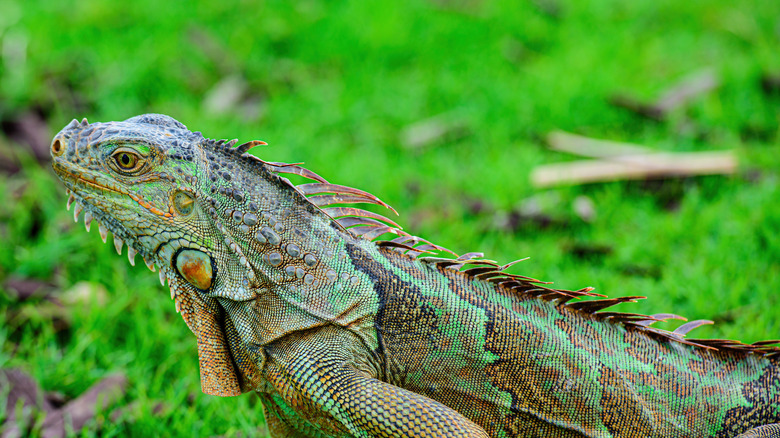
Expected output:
{"points": [[149, 206]]}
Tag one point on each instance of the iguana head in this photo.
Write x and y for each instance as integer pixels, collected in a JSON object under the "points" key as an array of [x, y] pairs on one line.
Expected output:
{"points": [[139, 179], [133, 177]]}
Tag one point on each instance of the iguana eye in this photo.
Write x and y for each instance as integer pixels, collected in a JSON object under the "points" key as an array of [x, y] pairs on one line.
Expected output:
{"points": [[127, 160]]}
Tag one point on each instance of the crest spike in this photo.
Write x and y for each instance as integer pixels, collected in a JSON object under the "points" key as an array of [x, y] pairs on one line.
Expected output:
{"points": [[245, 147], [688, 326]]}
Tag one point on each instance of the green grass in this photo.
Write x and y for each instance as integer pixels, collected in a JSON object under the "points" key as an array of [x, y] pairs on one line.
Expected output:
{"points": [[337, 82]]}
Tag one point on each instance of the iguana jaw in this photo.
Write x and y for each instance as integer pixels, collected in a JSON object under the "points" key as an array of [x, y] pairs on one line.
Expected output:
{"points": [[87, 193], [218, 371]]}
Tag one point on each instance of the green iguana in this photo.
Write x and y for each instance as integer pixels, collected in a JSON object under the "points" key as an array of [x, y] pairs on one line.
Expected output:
{"points": [[289, 295]]}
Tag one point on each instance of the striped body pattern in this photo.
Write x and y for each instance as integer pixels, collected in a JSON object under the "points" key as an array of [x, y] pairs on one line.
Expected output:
{"points": [[289, 295]]}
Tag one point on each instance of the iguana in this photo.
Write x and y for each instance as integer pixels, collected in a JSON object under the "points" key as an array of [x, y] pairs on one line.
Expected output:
{"points": [[289, 295]]}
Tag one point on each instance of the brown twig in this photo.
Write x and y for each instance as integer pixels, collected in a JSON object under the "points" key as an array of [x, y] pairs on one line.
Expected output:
{"points": [[591, 147], [678, 95], [633, 167]]}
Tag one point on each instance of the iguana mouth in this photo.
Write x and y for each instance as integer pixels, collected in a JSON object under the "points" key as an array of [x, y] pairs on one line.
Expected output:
{"points": [[74, 176], [78, 200]]}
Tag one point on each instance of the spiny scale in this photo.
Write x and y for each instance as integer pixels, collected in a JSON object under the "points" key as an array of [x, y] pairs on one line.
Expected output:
{"points": [[131, 252], [87, 220], [77, 211], [118, 244], [103, 232]]}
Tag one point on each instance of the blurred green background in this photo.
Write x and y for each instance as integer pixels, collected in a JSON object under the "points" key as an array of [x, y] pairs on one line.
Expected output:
{"points": [[440, 107]]}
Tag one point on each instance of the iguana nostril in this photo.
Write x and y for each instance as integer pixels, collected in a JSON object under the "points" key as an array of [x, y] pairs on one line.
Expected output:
{"points": [[57, 148]]}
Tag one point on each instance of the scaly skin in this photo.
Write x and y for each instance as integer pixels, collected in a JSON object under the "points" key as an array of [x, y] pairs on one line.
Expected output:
{"points": [[345, 337]]}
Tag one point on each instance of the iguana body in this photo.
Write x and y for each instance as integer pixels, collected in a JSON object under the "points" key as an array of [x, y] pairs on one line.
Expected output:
{"points": [[342, 336]]}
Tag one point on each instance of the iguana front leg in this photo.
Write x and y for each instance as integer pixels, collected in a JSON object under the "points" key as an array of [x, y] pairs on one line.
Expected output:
{"points": [[766, 431], [283, 422], [315, 375]]}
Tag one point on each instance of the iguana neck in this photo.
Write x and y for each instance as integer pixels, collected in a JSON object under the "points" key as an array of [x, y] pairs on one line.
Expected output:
{"points": [[296, 274]]}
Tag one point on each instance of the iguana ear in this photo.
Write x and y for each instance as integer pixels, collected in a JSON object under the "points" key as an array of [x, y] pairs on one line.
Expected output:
{"points": [[217, 373]]}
